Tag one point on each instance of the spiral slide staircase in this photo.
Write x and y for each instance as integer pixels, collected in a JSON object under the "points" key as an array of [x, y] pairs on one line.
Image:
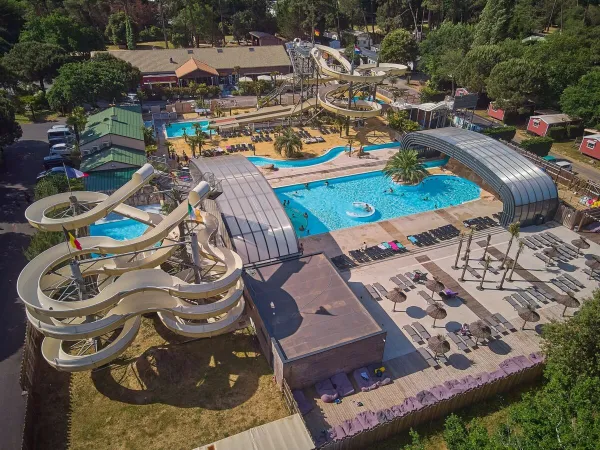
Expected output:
{"points": [[88, 303]]}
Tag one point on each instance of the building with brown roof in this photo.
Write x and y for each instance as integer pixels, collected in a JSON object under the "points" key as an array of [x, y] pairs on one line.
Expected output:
{"points": [[210, 65]]}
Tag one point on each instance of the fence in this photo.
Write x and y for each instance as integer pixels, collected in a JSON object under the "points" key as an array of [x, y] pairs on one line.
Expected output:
{"points": [[29, 369]]}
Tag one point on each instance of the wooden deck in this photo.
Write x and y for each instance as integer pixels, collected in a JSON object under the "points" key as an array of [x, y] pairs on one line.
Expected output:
{"points": [[411, 374]]}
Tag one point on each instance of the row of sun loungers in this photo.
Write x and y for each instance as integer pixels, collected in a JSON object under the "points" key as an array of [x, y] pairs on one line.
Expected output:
{"points": [[432, 398], [434, 236], [566, 251], [378, 252], [404, 282], [313, 140], [480, 223]]}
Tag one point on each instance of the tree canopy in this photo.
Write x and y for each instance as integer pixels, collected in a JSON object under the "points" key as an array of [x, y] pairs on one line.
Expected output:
{"points": [[583, 99], [513, 82], [398, 47], [10, 130], [35, 61]]}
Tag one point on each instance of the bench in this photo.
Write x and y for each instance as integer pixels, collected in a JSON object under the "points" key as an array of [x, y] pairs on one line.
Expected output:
{"points": [[427, 357], [412, 333], [458, 341], [372, 292], [421, 330], [500, 318], [427, 297]]}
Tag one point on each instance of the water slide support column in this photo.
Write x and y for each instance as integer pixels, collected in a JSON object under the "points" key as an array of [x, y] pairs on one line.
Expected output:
{"points": [[196, 257], [350, 95], [78, 277]]}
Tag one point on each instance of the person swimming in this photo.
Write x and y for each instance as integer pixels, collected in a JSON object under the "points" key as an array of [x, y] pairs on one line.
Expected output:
{"points": [[305, 215], [326, 183], [301, 228], [306, 186]]}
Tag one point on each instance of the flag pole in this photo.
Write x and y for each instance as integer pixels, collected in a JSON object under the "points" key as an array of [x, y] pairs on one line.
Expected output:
{"points": [[66, 235], [67, 175]]}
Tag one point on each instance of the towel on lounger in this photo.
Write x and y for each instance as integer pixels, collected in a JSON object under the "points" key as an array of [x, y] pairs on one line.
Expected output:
{"points": [[326, 391]]}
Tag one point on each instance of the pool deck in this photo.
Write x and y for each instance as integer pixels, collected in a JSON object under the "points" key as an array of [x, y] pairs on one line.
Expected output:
{"points": [[408, 370]]}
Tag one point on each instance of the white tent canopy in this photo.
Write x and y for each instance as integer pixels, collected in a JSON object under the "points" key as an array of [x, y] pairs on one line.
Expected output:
{"points": [[264, 77], [245, 79]]}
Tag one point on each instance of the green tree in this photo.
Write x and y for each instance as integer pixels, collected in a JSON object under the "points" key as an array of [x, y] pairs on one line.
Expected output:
{"points": [[288, 144], [33, 102], [116, 30], [399, 121], [513, 82], [10, 130], [129, 34], [77, 120], [583, 99], [513, 229], [351, 55], [405, 167], [12, 18], [494, 22], [477, 65], [35, 61], [242, 23], [398, 47]]}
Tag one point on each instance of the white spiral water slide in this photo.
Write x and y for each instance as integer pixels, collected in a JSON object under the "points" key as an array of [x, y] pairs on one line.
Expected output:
{"points": [[342, 70], [127, 286]]}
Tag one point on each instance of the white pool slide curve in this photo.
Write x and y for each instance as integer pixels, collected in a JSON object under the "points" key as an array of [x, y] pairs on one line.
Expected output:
{"points": [[127, 288]]}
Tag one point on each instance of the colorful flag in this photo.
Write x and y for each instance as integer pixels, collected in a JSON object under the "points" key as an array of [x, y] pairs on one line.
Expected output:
{"points": [[72, 239], [74, 173], [191, 212], [357, 50], [317, 33]]}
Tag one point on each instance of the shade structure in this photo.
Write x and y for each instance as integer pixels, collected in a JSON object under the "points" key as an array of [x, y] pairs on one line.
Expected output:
{"points": [[436, 311], [245, 79], [264, 78], [528, 314], [581, 244], [568, 301], [396, 295], [480, 330], [434, 286], [438, 344]]}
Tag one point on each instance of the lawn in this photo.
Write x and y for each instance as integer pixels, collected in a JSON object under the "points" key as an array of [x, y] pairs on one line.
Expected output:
{"points": [[44, 115], [492, 412], [167, 392]]}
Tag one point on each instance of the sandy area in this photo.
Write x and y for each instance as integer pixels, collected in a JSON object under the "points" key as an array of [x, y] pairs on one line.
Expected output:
{"points": [[375, 132]]}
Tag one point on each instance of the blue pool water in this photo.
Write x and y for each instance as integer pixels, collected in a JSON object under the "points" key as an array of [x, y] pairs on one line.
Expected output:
{"points": [[369, 98], [121, 228], [331, 154], [326, 206], [175, 129]]}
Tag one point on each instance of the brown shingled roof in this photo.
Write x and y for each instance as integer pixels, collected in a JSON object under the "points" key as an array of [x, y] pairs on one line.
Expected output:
{"points": [[193, 65]]}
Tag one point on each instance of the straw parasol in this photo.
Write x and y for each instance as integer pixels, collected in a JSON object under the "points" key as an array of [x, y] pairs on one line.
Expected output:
{"points": [[581, 244], [528, 314], [438, 344], [436, 311], [593, 264], [480, 330], [568, 301], [397, 296], [435, 286], [551, 253]]}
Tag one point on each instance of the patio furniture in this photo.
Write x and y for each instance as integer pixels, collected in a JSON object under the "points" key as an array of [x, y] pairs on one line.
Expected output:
{"points": [[383, 291], [500, 318], [495, 324], [342, 384], [536, 294], [427, 297], [406, 281], [481, 330], [398, 283], [512, 302], [326, 391], [559, 284], [564, 280], [427, 357], [458, 341], [303, 404], [574, 280], [421, 330], [412, 333], [364, 380], [436, 312], [372, 292], [396, 296]]}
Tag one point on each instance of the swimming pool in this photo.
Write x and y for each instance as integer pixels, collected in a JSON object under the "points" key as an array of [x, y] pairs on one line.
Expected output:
{"points": [[121, 228], [328, 156], [176, 129], [370, 99], [327, 206]]}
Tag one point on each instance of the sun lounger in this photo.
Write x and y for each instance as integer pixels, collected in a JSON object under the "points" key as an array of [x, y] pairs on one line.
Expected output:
{"points": [[326, 391], [473, 272], [490, 267], [536, 294], [383, 291], [427, 297], [512, 302], [427, 357], [406, 281], [458, 341], [573, 280], [412, 333], [529, 244], [560, 285], [343, 262], [342, 385], [399, 283], [303, 405], [500, 318], [394, 246], [568, 283], [470, 342], [364, 380], [543, 258], [525, 301], [553, 237], [529, 298], [372, 292], [421, 330], [588, 272], [492, 322]]}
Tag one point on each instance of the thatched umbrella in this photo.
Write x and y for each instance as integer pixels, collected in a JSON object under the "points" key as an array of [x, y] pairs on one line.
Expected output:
{"points": [[436, 311], [435, 286], [568, 301], [593, 264], [480, 330], [438, 344], [581, 244], [396, 295], [528, 314], [551, 253]]}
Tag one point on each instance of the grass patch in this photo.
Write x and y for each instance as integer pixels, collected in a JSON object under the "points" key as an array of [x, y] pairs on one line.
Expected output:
{"points": [[492, 412], [143, 45], [41, 116], [169, 393]]}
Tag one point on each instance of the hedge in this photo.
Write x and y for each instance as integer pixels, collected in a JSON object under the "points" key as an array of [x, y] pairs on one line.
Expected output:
{"points": [[504, 133], [565, 132], [538, 145]]}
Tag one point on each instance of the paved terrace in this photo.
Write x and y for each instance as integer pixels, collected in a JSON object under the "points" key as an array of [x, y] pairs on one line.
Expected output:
{"points": [[409, 371]]}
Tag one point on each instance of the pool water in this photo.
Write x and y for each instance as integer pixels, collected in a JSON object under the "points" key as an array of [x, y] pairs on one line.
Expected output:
{"points": [[327, 206], [370, 99], [328, 156], [176, 129], [121, 228]]}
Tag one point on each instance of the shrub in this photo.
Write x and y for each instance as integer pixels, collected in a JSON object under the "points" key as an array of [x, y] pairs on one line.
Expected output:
{"points": [[153, 33], [506, 133], [538, 145], [557, 133], [430, 94]]}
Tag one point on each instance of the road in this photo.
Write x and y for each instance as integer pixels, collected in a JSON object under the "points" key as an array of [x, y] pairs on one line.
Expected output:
{"points": [[22, 162], [583, 170]]}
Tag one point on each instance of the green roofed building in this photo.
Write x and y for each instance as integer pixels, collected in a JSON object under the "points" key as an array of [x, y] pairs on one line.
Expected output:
{"points": [[112, 147]]}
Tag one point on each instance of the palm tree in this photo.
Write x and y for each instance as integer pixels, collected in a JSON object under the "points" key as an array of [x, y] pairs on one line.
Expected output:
{"points": [[340, 122], [405, 167], [78, 120], [288, 144], [513, 229]]}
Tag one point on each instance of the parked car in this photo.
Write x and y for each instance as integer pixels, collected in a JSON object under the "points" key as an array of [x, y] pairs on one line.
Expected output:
{"points": [[56, 161], [564, 164], [62, 149], [60, 134], [54, 171]]}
